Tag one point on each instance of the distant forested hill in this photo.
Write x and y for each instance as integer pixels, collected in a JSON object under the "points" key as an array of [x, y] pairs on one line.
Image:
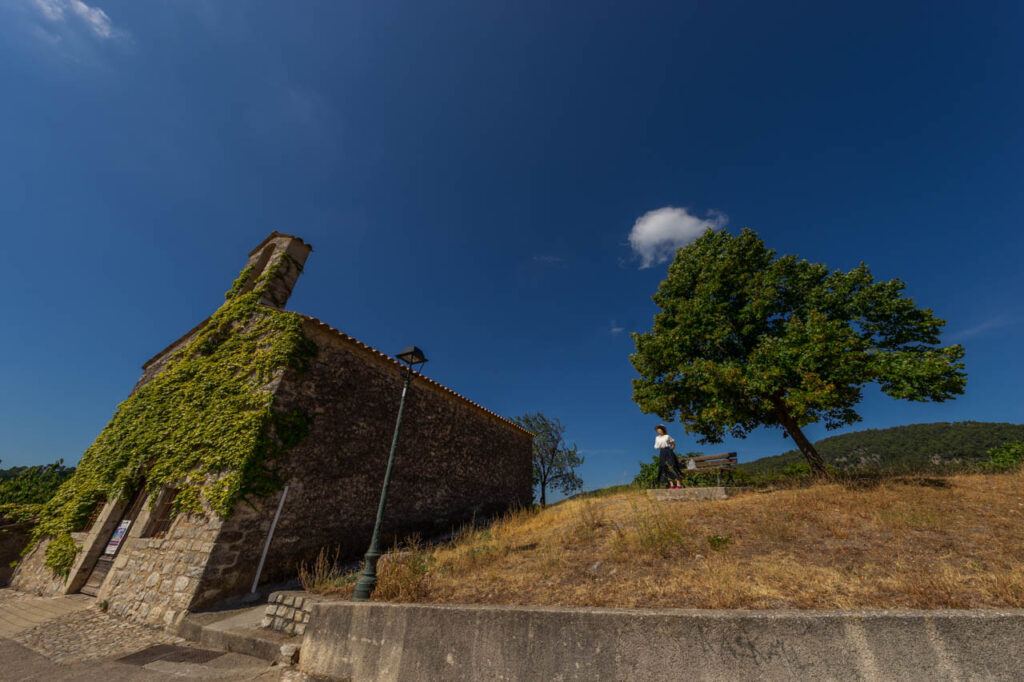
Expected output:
{"points": [[911, 446]]}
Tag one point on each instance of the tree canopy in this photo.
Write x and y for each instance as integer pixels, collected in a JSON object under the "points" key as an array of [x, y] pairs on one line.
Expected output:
{"points": [[554, 462], [746, 338], [24, 490]]}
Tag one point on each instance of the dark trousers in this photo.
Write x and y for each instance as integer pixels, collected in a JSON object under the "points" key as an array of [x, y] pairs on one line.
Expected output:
{"points": [[668, 466]]}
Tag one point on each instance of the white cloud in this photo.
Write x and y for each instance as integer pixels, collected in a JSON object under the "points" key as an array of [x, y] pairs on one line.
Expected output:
{"points": [[614, 329], [657, 234], [51, 9], [997, 322], [95, 19]]}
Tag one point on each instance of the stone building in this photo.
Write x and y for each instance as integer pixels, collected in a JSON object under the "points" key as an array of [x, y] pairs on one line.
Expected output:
{"points": [[455, 461]]}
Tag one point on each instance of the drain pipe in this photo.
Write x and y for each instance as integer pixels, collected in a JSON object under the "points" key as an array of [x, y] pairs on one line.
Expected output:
{"points": [[270, 535]]}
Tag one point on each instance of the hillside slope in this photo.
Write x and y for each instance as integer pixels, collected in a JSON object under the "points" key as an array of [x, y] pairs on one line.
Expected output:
{"points": [[912, 446], [906, 542]]}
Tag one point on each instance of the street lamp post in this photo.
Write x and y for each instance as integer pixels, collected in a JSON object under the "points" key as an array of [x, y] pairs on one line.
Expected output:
{"points": [[368, 579]]}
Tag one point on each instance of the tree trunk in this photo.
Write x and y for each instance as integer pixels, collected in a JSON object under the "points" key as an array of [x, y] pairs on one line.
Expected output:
{"points": [[543, 496], [787, 421]]}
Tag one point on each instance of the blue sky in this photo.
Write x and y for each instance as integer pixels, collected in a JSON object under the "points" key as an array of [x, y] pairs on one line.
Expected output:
{"points": [[469, 175]]}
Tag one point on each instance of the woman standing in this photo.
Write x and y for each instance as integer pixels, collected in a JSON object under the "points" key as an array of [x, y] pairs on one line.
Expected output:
{"points": [[668, 466]]}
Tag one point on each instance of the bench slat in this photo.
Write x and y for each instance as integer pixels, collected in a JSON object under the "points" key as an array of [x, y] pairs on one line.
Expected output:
{"points": [[724, 455], [725, 461]]}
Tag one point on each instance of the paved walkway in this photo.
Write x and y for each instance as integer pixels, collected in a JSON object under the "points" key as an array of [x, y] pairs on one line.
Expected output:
{"points": [[22, 612], [70, 638], [23, 664]]}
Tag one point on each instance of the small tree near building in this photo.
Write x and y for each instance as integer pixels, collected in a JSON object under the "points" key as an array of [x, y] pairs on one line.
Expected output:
{"points": [[554, 462], [747, 339]]}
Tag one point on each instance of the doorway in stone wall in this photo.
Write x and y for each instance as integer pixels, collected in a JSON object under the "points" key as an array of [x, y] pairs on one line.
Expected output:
{"points": [[114, 543]]}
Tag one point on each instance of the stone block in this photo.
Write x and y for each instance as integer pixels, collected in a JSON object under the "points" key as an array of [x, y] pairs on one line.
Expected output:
{"points": [[289, 600], [267, 622], [289, 654]]}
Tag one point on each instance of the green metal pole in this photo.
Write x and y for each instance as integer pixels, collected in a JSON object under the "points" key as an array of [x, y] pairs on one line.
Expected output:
{"points": [[368, 579]]}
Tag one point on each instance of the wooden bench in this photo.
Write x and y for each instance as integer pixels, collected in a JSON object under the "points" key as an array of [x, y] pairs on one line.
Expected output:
{"points": [[706, 463]]}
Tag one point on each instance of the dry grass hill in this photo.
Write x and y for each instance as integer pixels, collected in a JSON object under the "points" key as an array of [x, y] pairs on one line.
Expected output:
{"points": [[902, 542]]}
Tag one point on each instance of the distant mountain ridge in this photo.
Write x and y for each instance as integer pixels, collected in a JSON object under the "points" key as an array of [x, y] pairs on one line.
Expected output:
{"points": [[910, 446]]}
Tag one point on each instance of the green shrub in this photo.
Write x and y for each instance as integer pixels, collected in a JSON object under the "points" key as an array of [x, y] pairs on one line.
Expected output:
{"points": [[796, 470], [718, 542], [648, 476], [1006, 457]]}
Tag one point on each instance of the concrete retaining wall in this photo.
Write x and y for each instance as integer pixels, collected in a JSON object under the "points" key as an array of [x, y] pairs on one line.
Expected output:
{"points": [[376, 641]]}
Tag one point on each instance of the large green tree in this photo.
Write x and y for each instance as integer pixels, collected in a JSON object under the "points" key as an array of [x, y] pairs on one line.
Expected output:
{"points": [[746, 338], [554, 462]]}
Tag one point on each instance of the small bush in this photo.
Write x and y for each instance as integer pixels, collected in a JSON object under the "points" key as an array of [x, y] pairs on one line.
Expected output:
{"points": [[718, 542], [1006, 457], [648, 476], [323, 573], [402, 574]]}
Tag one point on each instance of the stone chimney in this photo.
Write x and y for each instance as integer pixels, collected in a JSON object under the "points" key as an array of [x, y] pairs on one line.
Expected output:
{"points": [[274, 266]]}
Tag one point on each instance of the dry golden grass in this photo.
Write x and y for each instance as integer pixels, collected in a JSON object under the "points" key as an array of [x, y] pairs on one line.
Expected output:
{"points": [[956, 542]]}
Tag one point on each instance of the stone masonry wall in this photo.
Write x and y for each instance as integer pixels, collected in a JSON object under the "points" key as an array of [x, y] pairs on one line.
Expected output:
{"points": [[288, 611], [154, 580], [454, 462], [34, 576]]}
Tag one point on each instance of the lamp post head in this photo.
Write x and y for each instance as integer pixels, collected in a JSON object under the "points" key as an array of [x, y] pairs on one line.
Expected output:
{"points": [[412, 356]]}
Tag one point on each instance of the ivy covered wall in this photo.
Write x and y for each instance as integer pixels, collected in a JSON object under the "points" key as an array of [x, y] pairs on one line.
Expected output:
{"points": [[205, 424]]}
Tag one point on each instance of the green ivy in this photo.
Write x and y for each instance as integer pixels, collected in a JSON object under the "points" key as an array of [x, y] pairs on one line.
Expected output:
{"points": [[205, 424], [60, 554]]}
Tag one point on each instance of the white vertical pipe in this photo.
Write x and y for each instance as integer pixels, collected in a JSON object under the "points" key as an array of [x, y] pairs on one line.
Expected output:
{"points": [[270, 535]]}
